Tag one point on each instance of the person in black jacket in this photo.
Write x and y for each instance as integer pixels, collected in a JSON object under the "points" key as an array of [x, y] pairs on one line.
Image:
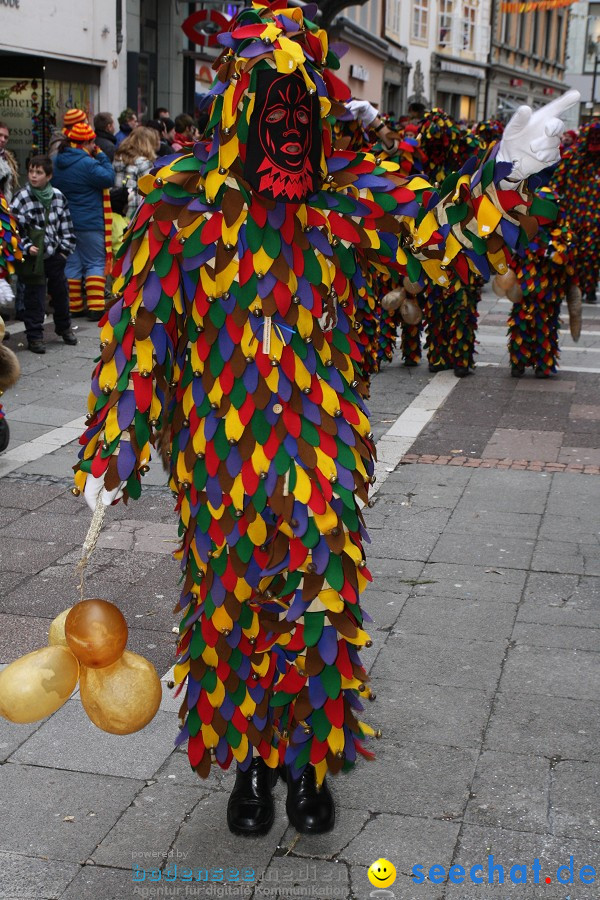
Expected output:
{"points": [[104, 126]]}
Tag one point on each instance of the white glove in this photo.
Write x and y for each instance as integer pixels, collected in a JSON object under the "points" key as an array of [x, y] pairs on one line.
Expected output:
{"points": [[363, 110], [531, 140], [95, 486]]}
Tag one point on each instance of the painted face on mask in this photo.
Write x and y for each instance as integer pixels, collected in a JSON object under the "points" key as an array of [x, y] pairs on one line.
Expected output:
{"points": [[283, 151]]}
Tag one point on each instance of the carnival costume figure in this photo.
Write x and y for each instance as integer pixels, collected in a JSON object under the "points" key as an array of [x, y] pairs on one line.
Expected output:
{"points": [[577, 181], [545, 276], [10, 254], [233, 335]]}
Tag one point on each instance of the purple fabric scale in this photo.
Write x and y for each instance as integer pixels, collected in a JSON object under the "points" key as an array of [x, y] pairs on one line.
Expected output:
{"points": [[226, 345], [319, 241], [218, 592], [222, 751], [158, 337], [253, 573], [204, 544], [125, 460], [214, 495], [265, 285], [300, 514], [291, 446], [334, 379], [311, 411], [250, 378], [320, 556], [227, 708], [288, 254], [344, 477], [285, 387], [256, 691], [183, 736], [184, 438], [234, 462], [276, 216], [297, 607], [280, 567], [353, 701], [126, 410], [233, 537], [299, 736], [193, 692], [328, 645], [260, 722], [305, 292], [195, 615], [115, 313], [316, 692], [211, 425], [345, 433], [349, 745], [152, 291], [408, 209]]}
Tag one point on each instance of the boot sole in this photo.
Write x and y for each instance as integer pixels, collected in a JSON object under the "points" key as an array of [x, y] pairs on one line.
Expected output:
{"points": [[307, 829], [251, 832]]}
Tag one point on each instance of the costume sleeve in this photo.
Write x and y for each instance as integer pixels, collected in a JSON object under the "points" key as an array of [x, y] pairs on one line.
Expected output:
{"points": [[10, 245], [138, 366], [468, 225]]}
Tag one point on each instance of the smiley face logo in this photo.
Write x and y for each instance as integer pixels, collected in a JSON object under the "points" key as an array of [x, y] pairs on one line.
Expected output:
{"points": [[382, 873]]}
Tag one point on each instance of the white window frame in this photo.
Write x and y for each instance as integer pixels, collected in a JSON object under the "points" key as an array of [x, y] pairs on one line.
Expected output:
{"points": [[420, 22], [445, 15]]}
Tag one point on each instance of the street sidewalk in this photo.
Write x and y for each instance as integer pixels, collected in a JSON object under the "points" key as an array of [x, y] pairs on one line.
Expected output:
{"points": [[486, 609]]}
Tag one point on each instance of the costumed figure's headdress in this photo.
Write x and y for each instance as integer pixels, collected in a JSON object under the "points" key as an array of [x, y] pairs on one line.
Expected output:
{"points": [[271, 114]]}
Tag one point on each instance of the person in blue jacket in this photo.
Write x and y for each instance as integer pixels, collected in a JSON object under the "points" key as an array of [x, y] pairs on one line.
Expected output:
{"points": [[84, 174]]}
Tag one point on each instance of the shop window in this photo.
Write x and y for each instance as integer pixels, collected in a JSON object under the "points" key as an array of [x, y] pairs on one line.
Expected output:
{"points": [[420, 20]]}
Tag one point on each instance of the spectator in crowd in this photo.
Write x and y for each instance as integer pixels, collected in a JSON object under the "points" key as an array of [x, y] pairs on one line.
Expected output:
{"points": [[416, 112], [159, 126], [186, 133], [84, 174], [134, 158], [128, 120], [72, 117], [104, 126], [48, 239], [9, 171], [170, 133], [161, 112]]}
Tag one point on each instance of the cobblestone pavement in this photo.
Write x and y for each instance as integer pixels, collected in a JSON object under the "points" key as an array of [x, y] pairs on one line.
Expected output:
{"points": [[486, 609]]}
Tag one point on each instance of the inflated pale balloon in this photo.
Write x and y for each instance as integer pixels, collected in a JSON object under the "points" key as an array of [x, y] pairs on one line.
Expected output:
{"points": [[392, 299], [497, 289], [411, 287], [410, 311], [96, 632], [56, 632], [514, 293], [506, 281], [121, 698], [37, 684]]}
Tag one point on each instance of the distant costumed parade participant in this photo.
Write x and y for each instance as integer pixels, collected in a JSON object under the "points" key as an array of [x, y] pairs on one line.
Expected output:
{"points": [[578, 185], [231, 342], [537, 285]]}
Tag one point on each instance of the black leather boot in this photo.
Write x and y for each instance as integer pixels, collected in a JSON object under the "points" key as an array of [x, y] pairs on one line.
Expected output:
{"points": [[250, 809], [310, 810]]}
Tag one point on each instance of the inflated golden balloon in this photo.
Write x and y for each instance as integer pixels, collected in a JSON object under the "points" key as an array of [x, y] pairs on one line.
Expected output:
{"points": [[410, 311], [497, 289], [506, 281], [56, 632], [411, 287], [37, 684], [96, 632], [121, 698], [514, 293]]}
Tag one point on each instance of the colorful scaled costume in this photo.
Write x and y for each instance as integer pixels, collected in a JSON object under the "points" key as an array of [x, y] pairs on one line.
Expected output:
{"points": [[10, 253], [577, 180], [545, 276], [234, 334], [450, 311]]}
